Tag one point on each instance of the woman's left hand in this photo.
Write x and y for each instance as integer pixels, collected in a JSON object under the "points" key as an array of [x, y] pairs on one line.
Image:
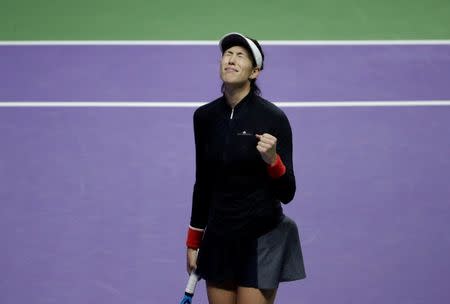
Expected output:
{"points": [[267, 147]]}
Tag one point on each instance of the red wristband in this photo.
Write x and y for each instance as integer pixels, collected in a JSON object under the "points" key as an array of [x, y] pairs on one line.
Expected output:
{"points": [[277, 169], [194, 237]]}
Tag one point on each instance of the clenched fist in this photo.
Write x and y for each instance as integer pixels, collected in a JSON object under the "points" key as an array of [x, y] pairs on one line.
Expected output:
{"points": [[267, 147]]}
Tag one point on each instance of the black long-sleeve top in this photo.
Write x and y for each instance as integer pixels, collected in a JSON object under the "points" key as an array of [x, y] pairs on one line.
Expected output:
{"points": [[233, 192]]}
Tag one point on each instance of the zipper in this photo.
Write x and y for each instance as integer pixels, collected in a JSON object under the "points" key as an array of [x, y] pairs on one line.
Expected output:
{"points": [[227, 137]]}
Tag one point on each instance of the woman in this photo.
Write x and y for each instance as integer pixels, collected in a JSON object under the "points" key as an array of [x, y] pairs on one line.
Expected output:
{"points": [[243, 171]]}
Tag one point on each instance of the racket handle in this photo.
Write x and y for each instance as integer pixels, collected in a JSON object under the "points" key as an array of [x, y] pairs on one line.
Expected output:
{"points": [[192, 282]]}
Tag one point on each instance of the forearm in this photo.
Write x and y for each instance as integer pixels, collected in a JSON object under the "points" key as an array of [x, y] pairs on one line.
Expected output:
{"points": [[200, 206], [282, 171], [284, 186]]}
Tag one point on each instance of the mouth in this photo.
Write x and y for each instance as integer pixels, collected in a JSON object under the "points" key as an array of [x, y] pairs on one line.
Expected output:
{"points": [[229, 69]]}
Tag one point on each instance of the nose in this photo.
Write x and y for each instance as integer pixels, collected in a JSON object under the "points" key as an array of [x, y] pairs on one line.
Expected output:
{"points": [[231, 59]]}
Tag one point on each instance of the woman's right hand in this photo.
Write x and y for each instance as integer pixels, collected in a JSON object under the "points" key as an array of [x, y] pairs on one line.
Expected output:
{"points": [[191, 260]]}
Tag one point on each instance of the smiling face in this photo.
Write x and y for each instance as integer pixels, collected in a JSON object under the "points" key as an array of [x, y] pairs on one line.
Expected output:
{"points": [[236, 67]]}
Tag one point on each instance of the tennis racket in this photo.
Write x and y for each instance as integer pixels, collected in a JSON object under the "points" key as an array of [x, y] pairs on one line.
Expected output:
{"points": [[190, 288]]}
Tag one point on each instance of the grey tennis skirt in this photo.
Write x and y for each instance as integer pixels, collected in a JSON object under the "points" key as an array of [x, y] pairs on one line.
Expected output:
{"points": [[261, 262]]}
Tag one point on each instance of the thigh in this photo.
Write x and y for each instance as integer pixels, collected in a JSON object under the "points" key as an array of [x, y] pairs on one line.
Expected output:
{"points": [[221, 293], [255, 296]]}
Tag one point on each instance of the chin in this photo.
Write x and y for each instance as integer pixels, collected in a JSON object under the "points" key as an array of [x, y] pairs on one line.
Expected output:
{"points": [[233, 82]]}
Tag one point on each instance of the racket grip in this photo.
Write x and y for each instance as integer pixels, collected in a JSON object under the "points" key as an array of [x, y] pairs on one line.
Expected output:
{"points": [[192, 282], [187, 299]]}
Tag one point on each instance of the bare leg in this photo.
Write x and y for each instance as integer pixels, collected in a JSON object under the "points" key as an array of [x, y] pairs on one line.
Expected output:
{"points": [[221, 294], [247, 295]]}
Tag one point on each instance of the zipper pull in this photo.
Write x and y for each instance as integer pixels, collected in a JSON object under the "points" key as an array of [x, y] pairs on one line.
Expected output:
{"points": [[232, 111]]}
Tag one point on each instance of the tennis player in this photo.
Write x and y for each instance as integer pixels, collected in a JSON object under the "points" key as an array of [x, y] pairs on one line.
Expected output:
{"points": [[244, 173]]}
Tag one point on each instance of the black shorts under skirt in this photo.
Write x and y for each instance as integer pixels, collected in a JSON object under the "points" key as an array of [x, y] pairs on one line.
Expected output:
{"points": [[261, 262]]}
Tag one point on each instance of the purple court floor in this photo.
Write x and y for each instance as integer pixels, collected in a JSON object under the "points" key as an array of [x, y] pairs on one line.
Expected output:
{"points": [[95, 202], [190, 73]]}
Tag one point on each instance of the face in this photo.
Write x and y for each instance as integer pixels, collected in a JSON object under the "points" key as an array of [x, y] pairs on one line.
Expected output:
{"points": [[236, 66]]}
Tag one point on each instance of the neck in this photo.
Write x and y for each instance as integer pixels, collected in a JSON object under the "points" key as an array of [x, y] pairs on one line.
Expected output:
{"points": [[235, 94]]}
